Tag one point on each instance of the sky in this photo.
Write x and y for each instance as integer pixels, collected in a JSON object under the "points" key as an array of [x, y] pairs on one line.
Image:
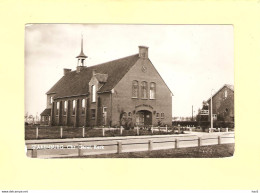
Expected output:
{"points": [[193, 60]]}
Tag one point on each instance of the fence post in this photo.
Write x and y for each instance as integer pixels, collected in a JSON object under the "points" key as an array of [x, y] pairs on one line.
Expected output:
{"points": [[83, 131], [227, 129], [80, 153], [37, 133], [152, 129], [61, 132], [199, 142], [150, 145], [176, 143], [218, 129], [34, 153], [190, 129], [219, 139], [103, 132], [119, 147], [121, 130], [137, 130]]}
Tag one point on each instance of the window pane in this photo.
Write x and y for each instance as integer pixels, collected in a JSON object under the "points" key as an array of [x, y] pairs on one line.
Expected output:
{"points": [[144, 90], [135, 89], [65, 107], [93, 90], [73, 107], [162, 115], [93, 113], [83, 106], [58, 107], [152, 90]]}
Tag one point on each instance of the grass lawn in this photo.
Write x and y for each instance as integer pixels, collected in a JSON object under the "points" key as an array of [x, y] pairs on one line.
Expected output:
{"points": [[212, 151]]}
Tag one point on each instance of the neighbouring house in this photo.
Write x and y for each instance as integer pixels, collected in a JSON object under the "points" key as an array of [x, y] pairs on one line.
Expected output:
{"points": [[223, 106], [46, 115], [123, 92]]}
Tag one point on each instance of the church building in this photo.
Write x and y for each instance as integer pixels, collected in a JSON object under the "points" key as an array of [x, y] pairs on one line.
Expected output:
{"points": [[128, 90]]}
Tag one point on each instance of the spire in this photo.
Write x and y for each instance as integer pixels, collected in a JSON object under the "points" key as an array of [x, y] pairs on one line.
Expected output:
{"points": [[81, 57]]}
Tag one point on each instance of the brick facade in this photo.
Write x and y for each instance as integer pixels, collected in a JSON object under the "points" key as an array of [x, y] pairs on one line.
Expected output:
{"points": [[223, 104], [114, 101]]}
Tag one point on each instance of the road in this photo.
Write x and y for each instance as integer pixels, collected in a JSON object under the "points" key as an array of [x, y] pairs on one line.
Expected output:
{"points": [[54, 148]]}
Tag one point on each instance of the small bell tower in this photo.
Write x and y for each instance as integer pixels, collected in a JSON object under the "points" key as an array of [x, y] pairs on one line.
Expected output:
{"points": [[81, 57]]}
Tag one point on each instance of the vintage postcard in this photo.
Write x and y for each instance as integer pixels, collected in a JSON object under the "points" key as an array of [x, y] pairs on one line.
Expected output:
{"points": [[127, 91]]}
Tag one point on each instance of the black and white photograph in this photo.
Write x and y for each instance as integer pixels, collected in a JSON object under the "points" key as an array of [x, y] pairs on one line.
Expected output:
{"points": [[129, 91]]}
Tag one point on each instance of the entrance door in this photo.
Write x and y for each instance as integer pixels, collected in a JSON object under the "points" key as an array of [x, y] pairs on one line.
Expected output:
{"points": [[139, 118], [143, 118]]}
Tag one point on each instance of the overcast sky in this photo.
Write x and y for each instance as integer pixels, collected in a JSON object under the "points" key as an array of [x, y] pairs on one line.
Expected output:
{"points": [[192, 59]]}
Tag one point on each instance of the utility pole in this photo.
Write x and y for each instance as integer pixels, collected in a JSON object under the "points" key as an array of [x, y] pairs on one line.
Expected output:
{"points": [[192, 114], [211, 111]]}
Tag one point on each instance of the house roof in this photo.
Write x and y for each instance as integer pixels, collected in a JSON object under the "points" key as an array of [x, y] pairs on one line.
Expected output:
{"points": [[46, 112], [231, 87], [77, 83]]}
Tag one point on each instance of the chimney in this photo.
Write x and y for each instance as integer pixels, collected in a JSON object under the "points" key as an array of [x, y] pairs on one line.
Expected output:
{"points": [[143, 52], [65, 71]]}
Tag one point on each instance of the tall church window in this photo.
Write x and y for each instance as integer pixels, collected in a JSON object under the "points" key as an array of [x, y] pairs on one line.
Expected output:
{"points": [[73, 107], [93, 92], [65, 107], [152, 90], [58, 108], [83, 105], [144, 90], [135, 89], [51, 100]]}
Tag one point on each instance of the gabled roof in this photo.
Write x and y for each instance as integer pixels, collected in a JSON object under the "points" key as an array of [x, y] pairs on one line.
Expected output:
{"points": [[76, 84], [231, 87], [46, 112]]}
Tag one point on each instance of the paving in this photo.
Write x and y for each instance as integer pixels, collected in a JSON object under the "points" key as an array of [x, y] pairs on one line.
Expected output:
{"points": [[53, 148]]}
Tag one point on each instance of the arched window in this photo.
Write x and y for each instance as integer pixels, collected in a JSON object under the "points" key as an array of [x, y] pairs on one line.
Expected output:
{"points": [[73, 107], [152, 90], [83, 105], [58, 108], [65, 107], [93, 93], [144, 90], [135, 89]]}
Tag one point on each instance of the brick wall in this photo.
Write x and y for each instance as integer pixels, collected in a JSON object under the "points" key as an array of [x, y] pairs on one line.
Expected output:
{"points": [[122, 100], [223, 107]]}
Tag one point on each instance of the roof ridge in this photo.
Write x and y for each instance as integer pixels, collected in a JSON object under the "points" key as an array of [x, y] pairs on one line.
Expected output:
{"points": [[227, 85], [113, 60], [77, 83]]}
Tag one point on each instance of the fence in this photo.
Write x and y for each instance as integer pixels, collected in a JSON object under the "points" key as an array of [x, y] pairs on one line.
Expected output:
{"points": [[123, 144], [82, 132]]}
